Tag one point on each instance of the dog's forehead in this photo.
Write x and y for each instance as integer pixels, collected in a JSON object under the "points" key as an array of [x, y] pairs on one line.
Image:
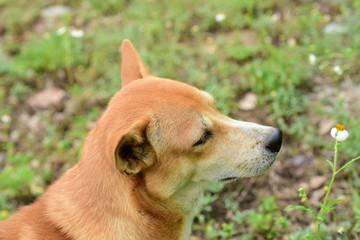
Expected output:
{"points": [[164, 92]]}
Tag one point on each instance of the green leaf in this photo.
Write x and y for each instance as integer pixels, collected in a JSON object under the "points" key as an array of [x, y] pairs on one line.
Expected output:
{"points": [[294, 207], [330, 163], [299, 207], [333, 202], [329, 209], [329, 206]]}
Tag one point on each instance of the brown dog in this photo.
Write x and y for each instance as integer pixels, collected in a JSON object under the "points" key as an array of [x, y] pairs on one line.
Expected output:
{"points": [[145, 164]]}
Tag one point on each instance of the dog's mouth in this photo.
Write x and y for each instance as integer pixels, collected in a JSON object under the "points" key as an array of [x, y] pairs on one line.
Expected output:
{"points": [[229, 179], [232, 179]]}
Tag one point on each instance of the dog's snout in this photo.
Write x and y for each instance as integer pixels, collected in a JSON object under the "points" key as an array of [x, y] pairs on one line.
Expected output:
{"points": [[274, 142]]}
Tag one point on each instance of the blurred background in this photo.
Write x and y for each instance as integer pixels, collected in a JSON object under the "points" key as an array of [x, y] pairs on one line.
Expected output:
{"points": [[293, 64]]}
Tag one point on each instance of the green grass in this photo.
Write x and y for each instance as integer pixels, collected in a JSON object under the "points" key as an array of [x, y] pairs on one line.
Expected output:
{"points": [[260, 47]]}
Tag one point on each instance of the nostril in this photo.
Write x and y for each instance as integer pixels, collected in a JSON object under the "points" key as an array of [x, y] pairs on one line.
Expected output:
{"points": [[275, 141]]}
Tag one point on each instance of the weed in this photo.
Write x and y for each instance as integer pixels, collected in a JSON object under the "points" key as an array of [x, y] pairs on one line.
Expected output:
{"points": [[267, 221], [340, 134]]}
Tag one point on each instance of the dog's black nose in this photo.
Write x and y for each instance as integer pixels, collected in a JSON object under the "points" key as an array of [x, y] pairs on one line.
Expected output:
{"points": [[274, 142]]}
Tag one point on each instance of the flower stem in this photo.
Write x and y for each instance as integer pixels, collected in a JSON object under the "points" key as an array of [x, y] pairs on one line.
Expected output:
{"points": [[68, 60], [323, 208], [318, 231]]}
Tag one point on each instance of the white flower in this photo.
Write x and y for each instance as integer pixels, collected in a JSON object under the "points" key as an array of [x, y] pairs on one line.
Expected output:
{"points": [[341, 230], [291, 42], [312, 59], [337, 69], [61, 31], [220, 17], [335, 28], [339, 132], [275, 17], [5, 118], [195, 28], [76, 33]]}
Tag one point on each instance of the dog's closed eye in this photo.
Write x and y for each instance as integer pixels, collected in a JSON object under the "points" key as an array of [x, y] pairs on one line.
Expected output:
{"points": [[203, 138]]}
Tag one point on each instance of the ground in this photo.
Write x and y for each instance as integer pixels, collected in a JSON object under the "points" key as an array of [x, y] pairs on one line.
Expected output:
{"points": [[290, 64]]}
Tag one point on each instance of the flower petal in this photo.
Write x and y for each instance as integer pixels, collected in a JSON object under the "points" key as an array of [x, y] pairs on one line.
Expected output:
{"points": [[220, 17], [77, 33], [312, 59], [342, 135], [333, 132], [5, 118], [61, 31], [337, 69]]}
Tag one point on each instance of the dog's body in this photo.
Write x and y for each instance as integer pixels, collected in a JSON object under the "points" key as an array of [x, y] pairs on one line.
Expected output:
{"points": [[145, 164]]}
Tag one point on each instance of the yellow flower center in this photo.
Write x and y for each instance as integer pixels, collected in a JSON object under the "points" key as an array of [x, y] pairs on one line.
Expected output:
{"points": [[340, 127]]}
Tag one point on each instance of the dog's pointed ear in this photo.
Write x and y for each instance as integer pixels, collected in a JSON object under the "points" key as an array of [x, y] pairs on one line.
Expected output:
{"points": [[133, 151], [132, 67]]}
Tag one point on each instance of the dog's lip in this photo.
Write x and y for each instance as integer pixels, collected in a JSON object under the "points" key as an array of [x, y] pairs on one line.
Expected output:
{"points": [[228, 179], [232, 179]]}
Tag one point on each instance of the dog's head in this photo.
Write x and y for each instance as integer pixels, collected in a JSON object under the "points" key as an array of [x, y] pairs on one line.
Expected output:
{"points": [[171, 134]]}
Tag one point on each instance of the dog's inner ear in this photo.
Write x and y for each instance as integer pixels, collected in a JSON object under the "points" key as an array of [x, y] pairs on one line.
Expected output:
{"points": [[132, 67], [134, 152]]}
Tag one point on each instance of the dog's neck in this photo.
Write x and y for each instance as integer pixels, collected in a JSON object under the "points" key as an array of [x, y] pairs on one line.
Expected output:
{"points": [[190, 199], [176, 211], [87, 193]]}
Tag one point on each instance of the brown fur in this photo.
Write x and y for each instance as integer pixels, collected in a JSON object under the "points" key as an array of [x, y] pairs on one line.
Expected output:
{"points": [[141, 176]]}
